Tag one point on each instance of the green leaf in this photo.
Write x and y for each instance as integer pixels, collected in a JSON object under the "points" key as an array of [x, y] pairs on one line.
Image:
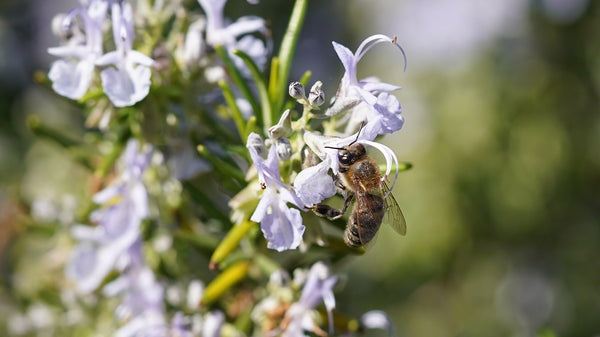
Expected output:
{"points": [[225, 281], [236, 114], [42, 130], [286, 52], [230, 242], [207, 204], [222, 167], [237, 78], [251, 126], [261, 87], [273, 76], [204, 242]]}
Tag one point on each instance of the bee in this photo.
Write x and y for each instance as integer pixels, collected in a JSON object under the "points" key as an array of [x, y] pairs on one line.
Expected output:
{"points": [[359, 178]]}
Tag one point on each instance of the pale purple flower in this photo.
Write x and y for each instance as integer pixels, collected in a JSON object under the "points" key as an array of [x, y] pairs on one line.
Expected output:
{"points": [[281, 226], [194, 44], [382, 113], [318, 288], [124, 204], [128, 82], [234, 35], [314, 184], [142, 302], [71, 75]]}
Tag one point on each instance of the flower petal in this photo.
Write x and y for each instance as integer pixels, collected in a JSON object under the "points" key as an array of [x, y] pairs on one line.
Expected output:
{"points": [[282, 228], [212, 324], [313, 184], [265, 202], [347, 58], [245, 25], [71, 79], [389, 156]]}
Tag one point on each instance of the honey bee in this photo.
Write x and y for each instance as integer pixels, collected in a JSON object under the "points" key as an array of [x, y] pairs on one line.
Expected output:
{"points": [[359, 178]]}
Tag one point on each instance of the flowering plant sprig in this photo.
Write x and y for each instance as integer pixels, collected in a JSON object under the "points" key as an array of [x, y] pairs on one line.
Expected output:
{"points": [[196, 155]]}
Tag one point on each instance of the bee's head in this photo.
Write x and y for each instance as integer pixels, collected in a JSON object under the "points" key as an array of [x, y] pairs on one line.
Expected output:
{"points": [[349, 154]]}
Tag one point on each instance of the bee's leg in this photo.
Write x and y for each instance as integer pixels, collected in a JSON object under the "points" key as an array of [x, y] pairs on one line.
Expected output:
{"points": [[330, 212], [338, 184]]}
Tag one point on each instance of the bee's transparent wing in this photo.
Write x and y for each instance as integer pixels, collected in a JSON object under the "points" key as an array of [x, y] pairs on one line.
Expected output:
{"points": [[393, 215]]}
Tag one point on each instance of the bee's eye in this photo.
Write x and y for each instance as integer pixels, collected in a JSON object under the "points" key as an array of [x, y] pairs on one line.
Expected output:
{"points": [[344, 158]]}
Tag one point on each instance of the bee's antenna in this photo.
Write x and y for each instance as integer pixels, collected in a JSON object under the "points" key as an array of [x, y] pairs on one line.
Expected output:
{"points": [[332, 147], [354, 141], [358, 133]]}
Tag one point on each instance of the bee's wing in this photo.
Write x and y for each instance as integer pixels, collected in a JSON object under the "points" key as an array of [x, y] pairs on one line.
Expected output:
{"points": [[393, 215], [365, 232]]}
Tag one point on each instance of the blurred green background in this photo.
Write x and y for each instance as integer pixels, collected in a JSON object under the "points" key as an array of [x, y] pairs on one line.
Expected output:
{"points": [[501, 102]]}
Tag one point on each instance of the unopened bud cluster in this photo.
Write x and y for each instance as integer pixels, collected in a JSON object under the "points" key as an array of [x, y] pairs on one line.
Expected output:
{"points": [[316, 96]]}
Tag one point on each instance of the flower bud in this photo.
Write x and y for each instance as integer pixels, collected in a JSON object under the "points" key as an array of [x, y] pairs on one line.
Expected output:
{"points": [[296, 90], [284, 148], [256, 143], [316, 97], [283, 128], [61, 26]]}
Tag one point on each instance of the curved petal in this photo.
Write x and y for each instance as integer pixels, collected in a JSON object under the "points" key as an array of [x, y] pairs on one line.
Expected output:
{"points": [[389, 156], [372, 86], [136, 57], [245, 25], [347, 58], [112, 57], [369, 43], [77, 51]]}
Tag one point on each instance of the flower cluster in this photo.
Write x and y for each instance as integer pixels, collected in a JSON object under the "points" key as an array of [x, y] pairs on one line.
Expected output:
{"points": [[163, 206], [125, 72], [291, 312], [115, 243], [364, 110]]}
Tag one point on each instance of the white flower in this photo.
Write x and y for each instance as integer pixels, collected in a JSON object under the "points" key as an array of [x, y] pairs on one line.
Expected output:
{"points": [[72, 74], [235, 35], [314, 184], [382, 114], [128, 82]]}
